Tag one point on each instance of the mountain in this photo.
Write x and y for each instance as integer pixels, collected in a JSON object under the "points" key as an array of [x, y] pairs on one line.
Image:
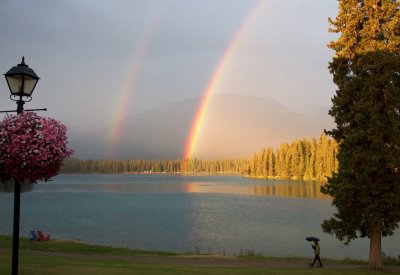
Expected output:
{"points": [[238, 126], [235, 126], [154, 134]]}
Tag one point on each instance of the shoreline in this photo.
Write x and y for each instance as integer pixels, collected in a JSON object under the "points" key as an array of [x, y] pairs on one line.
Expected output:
{"points": [[237, 174], [75, 257], [78, 247]]}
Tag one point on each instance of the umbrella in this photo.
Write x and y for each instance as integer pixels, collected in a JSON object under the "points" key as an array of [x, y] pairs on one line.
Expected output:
{"points": [[311, 238]]}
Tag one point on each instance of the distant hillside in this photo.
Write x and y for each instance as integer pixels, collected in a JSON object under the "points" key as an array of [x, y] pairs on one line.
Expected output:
{"points": [[238, 125], [155, 134], [235, 126]]}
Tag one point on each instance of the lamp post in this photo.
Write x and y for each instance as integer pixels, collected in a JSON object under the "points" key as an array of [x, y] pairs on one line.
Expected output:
{"points": [[21, 81]]}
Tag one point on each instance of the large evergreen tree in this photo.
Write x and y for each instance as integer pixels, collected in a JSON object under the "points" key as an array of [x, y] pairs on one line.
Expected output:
{"points": [[366, 108]]}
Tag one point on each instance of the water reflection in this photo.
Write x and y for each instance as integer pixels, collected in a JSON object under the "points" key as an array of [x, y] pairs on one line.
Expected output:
{"points": [[291, 189], [8, 187], [165, 212], [170, 185], [112, 188]]}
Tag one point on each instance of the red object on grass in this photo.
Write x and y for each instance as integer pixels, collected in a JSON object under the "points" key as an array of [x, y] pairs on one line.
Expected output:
{"points": [[41, 237]]}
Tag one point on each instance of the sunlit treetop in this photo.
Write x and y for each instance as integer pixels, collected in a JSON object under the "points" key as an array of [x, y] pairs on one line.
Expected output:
{"points": [[366, 26]]}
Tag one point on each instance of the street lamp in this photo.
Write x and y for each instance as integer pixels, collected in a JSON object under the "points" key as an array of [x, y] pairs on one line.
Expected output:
{"points": [[21, 81]]}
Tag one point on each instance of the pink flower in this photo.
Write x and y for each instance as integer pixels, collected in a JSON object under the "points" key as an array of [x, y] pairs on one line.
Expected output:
{"points": [[32, 148]]}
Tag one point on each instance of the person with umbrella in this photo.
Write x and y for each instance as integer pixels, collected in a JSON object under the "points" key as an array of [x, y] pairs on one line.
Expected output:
{"points": [[317, 250]]}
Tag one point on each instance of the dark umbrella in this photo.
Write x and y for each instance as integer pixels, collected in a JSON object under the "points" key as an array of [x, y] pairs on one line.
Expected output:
{"points": [[311, 238]]}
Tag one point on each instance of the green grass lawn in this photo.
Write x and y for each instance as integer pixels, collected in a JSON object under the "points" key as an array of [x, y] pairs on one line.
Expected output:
{"points": [[69, 246], [68, 257]]}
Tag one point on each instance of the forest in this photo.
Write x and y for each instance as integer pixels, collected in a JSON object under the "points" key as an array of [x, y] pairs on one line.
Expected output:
{"points": [[307, 159]]}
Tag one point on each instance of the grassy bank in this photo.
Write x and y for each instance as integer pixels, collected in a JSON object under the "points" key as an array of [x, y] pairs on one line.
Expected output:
{"points": [[76, 247], [69, 257]]}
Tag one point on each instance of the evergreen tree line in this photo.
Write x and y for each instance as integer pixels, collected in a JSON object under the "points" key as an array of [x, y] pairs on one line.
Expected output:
{"points": [[302, 159], [73, 165], [306, 159]]}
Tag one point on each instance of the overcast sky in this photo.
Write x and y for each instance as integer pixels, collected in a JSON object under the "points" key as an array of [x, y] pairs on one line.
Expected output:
{"points": [[91, 53]]}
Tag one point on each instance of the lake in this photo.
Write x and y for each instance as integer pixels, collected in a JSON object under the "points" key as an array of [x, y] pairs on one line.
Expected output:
{"points": [[184, 213]]}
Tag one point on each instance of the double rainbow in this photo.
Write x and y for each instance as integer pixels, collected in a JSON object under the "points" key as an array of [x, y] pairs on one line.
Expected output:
{"points": [[128, 88]]}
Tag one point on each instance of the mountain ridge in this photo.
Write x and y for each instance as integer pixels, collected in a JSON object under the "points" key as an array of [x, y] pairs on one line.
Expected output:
{"points": [[235, 126]]}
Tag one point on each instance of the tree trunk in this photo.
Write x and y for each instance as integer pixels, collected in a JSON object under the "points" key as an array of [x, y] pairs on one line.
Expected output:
{"points": [[375, 259]]}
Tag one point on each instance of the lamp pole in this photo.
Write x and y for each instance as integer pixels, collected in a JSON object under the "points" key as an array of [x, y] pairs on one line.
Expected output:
{"points": [[15, 247], [21, 81]]}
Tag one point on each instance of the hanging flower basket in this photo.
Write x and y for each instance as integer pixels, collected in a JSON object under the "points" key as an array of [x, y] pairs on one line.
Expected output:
{"points": [[32, 147]]}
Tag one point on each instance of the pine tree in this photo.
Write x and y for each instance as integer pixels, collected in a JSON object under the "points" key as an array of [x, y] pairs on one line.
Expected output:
{"points": [[366, 70], [297, 160], [302, 160], [313, 158], [284, 161], [320, 157], [271, 161], [263, 162], [307, 156]]}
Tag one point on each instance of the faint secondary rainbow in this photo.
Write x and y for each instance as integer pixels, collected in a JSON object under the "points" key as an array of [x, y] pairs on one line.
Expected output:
{"points": [[197, 123], [125, 97]]}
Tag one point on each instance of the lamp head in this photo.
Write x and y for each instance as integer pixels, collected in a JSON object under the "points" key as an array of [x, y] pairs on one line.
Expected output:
{"points": [[21, 80]]}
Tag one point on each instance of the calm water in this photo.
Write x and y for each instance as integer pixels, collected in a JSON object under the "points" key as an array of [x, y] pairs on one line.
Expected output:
{"points": [[215, 214]]}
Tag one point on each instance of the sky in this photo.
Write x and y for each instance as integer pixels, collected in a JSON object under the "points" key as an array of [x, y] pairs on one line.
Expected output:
{"points": [[101, 62]]}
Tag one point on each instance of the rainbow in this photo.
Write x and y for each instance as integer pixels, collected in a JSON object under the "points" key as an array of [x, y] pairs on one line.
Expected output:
{"points": [[128, 88], [197, 123]]}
